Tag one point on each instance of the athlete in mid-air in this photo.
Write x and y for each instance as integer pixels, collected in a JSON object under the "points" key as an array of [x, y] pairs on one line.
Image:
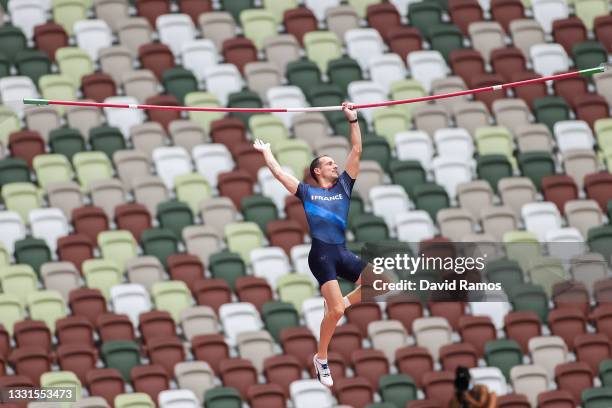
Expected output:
{"points": [[327, 208]]}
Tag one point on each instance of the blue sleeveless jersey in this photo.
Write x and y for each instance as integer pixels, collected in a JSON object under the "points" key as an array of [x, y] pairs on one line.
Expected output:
{"points": [[327, 208]]}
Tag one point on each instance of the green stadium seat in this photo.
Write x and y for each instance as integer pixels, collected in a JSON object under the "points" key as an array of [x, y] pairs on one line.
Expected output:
{"points": [[346, 286], [503, 354], [342, 71], [370, 228], [278, 8], [430, 197], [51, 168], [605, 373], [536, 165], [397, 389], [18, 280], [11, 310], [102, 274], [5, 66], [356, 208], [244, 99], [74, 63], [33, 64], [118, 246], [377, 149], [33, 252], [260, 210], [494, 140], [56, 86], [530, 297], [506, 272], [407, 89], [235, 7], [600, 240], [91, 166], [445, 38], [389, 121], [13, 171], [174, 216], [322, 47], [588, 10], [106, 139], [589, 54], [172, 297], [68, 12], [160, 243], [341, 125], [546, 272], [179, 82], [303, 73], [203, 99], [425, 14], [228, 266], [66, 141], [242, 237], [278, 316], [268, 128], [46, 305], [295, 288], [603, 131], [597, 398], [521, 246], [493, 167], [192, 189], [121, 355], [407, 173], [295, 154], [325, 95], [222, 397], [258, 25], [134, 400], [62, 379], [361, 6], [550, 110], [10, 123], [12, 41], [22, 198]]}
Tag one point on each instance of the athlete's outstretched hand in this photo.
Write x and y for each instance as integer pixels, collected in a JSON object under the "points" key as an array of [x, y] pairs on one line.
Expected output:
{"points": [[261, 146], [349, 110]]}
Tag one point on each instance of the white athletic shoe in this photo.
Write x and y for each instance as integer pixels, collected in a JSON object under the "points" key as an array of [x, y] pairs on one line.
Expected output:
{"points": [[323, 372]]}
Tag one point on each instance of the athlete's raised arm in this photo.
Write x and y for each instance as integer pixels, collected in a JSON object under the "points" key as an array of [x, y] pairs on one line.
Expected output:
{"points": [[352, 162], [290, 182]]}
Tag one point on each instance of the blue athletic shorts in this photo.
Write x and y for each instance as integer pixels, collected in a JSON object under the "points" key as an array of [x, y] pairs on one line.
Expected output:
{"points": [[328, 261]]}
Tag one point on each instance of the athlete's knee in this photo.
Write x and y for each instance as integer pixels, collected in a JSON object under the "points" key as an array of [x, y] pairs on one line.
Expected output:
{"points": [[336, 312]]}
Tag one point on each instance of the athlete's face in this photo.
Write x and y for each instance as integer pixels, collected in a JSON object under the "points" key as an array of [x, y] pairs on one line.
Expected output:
{"points": [[328, 168]]}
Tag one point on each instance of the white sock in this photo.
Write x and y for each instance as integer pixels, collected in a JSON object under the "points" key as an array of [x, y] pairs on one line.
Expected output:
{"points": [[347, 302], [321, 361]]}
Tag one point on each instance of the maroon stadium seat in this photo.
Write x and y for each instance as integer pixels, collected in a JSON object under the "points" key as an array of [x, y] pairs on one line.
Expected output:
{"points": [[113, 326], [32, 333], [212, 292], [300, 343], [193, 8], [458, 354], [522, 326], [355, 392], [78, 358], [414, 361], [285, 234], [555, 399], [26, 144], [235, 185], [362, 314], [603, 30], [239, 373], [239, 51], [156, 323], [592, 349], [504, 11], [75, 248], [105, 382], [467, 63], [299, 21], [559, 189], [254, 290], [210, 348], [403, 40], [507, 61], [133, 217], [185, 267], [569, 32], [590, 107], [156, 57], [598, 186], [282, 370], [166, 351], [74, 330], [464, 12], [530, 92], [383, 17], [477, 330], [163, 117], [150, 379], [266, 396], [49, 37], [31, 362], [89, 221], [440, 386], [345, 339], [98, 86], [574, 377], [295, 211], [87, 302], [228, 131], [151, 9], [370, 364], [567, 323]]}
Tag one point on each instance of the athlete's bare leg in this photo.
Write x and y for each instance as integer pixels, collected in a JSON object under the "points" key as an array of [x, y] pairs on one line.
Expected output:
{"points": [[334, 311]]}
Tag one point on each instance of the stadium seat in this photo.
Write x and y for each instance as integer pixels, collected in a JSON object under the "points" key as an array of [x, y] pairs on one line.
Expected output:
{"points": [[20, 197]]}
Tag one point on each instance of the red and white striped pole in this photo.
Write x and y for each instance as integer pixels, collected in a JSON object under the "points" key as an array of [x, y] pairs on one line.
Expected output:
{"points": [[556, 77]]}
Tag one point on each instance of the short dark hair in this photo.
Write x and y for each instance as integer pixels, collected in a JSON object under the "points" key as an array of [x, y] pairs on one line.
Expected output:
{"points": [[313, 165]]}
